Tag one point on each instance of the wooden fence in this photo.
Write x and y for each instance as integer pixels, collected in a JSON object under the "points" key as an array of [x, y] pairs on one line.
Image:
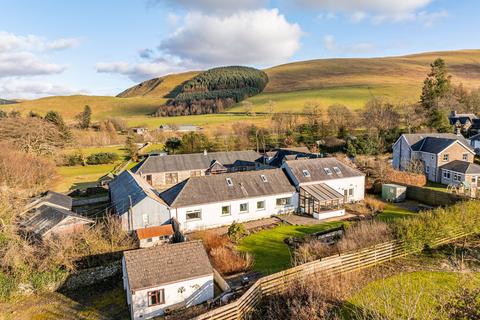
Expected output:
{"points": [[326, 267]]}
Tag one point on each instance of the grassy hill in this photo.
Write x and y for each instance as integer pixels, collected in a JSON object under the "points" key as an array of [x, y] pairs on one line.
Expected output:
{"points": [[5, 101], [326, 81]]}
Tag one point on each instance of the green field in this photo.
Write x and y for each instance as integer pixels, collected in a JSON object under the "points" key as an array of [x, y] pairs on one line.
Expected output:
{"points": [[393, 211], [271, 254], [326, 81], [415, 295]]}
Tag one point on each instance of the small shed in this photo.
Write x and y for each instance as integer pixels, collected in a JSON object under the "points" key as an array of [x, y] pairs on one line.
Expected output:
{"points": [[152, 236], [394, 192]]}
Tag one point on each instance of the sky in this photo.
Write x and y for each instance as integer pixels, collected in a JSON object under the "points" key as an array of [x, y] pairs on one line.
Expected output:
{"points": [[59, 47]]}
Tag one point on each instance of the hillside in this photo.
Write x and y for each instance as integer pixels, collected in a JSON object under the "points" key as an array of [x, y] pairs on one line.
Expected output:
{"points": [[325, 81], [5, 101], [160, 87]]}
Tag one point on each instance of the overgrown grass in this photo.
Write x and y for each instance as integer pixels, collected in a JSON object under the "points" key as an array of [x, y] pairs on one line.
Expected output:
{"points": [[270, 253], [416, 295]]}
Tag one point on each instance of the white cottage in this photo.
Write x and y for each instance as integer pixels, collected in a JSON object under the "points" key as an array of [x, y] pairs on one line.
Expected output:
{"points": [[136, 203], [325, 185], [164, 278], [218, 200]]}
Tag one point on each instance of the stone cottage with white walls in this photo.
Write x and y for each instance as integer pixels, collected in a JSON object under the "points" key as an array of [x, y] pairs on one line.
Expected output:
{"points": [[164, 278], [218, 200]]}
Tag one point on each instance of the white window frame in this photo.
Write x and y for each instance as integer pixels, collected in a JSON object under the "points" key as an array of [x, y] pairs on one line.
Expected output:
{"points": [[328, 171], [337, 170], [306, 173], [264, 179], [261, 209], [199, 211], [287, 203], [240, 207], [229, 211], [229, 182]]}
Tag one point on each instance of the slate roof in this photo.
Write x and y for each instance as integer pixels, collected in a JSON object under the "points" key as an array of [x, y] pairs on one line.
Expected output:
{"points": [[156, 266], [413, 138], [129, 185], [194, 161], [289, 154], [435, 145], [461, 117], [475, 124], [45, 218], [316, 172], [462, 167], [214, 188], [475, 137]]}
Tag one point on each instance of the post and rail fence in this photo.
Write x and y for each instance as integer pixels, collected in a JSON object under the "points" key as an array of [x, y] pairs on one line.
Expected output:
{"points": [[326, 267]]}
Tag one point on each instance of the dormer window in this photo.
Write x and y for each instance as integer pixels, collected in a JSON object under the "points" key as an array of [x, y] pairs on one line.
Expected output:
{"points": [[306, 173], [229, 182], [337, 170], [264, 179], [327, 171]]}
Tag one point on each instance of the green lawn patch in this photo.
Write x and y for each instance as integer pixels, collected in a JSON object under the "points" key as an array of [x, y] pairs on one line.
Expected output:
{"points": [[436, 186], [414, 295], [393, 211], [270, 252]]}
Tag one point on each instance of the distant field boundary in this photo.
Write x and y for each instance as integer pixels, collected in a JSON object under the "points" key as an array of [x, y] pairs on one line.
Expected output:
{"points": [[326, 267]]}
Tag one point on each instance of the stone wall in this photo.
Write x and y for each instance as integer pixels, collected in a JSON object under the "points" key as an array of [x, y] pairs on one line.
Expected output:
{"points": [[88, 277]]}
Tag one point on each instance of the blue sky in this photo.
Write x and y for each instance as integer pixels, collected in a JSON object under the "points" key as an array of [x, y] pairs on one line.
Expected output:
{"points": [[54, 47]]}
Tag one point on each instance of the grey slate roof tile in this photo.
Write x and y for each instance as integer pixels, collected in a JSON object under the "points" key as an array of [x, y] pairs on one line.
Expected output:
{"points": [[160, 265]]}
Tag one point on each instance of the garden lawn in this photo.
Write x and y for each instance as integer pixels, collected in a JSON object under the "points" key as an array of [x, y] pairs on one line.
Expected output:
{"points": [[394, 297], [271, 254], [436, 186], [393, 211]]}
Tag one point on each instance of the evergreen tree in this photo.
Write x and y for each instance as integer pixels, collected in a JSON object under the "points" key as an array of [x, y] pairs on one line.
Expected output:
{"points": [[436, 86], [84, 117], [131, 148], [438, 120], [55, 118], [172, 144]]}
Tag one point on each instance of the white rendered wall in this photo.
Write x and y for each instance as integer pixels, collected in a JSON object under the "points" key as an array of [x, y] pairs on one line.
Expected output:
{"points": [[195, 291], [212, 212]]}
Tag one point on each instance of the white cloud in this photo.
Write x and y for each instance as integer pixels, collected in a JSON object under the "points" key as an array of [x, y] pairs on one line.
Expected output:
{"points": [[13, 42], [16, 88], [215, 6], [247, 37], [429, 18], [25, 64], [376, 10], [62, 44], [140, 71], [331, 45]]}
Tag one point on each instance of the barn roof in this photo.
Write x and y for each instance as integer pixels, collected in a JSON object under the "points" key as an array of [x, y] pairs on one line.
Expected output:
{"points": [[194, 161]]}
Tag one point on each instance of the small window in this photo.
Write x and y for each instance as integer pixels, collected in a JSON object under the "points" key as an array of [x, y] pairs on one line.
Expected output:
{"points": [[225, 210], [465, 157], [427, 169], [260, 205], [327, 171], [194, 215], [264, 179], [337, 170], [445, 157], [306, 173], [243, 207], [145, 219], [229, 182], [149, 240], [156, 297], [284, 201]]}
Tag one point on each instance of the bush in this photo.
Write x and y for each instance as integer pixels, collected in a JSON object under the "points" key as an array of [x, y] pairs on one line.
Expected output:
{"points": [[405, 178], [236, 231], [374, 204], [74, 159], [228, 261], [102, 158]]}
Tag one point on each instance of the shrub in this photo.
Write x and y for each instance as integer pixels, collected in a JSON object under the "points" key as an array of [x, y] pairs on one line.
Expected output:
{"points": [[405, 178], [229, 261], [102, 158], [374, 204], [236, 231], [74, 159]]}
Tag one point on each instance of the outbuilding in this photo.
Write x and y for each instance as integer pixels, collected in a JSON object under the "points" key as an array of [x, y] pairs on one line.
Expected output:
{"points": [[164, 278]]}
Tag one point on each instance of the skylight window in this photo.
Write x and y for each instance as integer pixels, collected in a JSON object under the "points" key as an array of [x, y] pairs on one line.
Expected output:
{"points": [[306, 173], [229, 182], [327, 171], [264, 179], [337, 170]]}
